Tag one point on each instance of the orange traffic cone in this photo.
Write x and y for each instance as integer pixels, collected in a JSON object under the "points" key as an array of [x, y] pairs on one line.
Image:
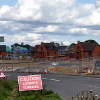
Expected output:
{"points": [[37, 71], [46, 71], [88, 72], [26, 70]]}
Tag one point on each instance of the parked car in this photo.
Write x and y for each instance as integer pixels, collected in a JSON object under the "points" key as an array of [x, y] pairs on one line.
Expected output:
{"points": [[54, 63]]}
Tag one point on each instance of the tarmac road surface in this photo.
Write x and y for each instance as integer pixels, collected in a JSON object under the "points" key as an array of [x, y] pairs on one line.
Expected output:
{"points": [[65, 85]]}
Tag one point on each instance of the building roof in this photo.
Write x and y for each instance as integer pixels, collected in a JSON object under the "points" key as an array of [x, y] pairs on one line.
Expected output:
{"points": [[35, 48], [8, 48], [22, 48], [87, 46], [62, 48], [50, 46]]}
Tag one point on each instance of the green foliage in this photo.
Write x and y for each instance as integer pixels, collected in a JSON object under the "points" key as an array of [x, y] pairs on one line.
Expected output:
{"points": [[91, 41], [5, 87], [21, 45], [9, 91]]}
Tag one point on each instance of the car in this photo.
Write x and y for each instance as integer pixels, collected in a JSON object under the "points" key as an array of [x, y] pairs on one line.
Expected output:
{"points": [[54, 63]]}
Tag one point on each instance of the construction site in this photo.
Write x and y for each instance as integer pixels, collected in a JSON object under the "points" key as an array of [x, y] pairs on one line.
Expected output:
{"points": [[82, 67]]}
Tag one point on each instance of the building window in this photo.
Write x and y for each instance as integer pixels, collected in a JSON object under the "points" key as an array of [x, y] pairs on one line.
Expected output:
{"points": [[55, 53], [48, 53], [41, 48], [61, 51], [41, 53], [78, 47], [77, 52], [47, 47], [77, 57]]}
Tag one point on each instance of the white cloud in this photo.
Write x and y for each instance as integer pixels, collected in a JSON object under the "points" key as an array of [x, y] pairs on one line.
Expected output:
{"points": [[49, 28], [79, 30], [38, 19], [98, 3], [4, 10], [66, 43]]}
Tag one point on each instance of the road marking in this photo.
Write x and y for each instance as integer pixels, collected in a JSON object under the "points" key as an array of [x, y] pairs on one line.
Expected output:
{"points": [[89, 85], [93, 86], [44, 78], [51, 79]]}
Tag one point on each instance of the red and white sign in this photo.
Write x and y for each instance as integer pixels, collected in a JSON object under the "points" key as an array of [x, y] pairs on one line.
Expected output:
{"points": [[32, 82], [2, 75]]}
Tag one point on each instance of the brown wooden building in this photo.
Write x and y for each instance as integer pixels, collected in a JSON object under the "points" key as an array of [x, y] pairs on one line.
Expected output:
{"points": [[45, 51], [86, 50]]}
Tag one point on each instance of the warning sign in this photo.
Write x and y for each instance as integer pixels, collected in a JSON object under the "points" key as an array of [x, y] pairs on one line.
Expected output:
{"points": [[2, 75], [32, 82]]}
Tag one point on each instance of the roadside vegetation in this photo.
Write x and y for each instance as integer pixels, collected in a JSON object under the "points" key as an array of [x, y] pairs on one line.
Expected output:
{"points": [[9, 91]]}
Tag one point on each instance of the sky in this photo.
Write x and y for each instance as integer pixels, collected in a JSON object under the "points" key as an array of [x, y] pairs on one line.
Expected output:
{"points": [[59, 21]]}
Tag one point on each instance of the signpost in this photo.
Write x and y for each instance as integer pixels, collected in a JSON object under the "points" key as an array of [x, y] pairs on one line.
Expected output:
{"points": [[1, 38], [32, 82]]}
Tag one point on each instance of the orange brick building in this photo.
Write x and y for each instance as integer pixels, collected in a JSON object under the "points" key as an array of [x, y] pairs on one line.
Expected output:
{"points": [[86, 50], [45, 50]]}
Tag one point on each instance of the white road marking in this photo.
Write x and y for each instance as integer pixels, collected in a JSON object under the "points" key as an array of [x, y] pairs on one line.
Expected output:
{"points": [[93, 86], [89, 85], [51, 79], [44, 78]]}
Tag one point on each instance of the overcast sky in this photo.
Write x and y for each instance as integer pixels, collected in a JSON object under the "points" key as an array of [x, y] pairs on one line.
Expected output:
{"points": [[60, 21]]}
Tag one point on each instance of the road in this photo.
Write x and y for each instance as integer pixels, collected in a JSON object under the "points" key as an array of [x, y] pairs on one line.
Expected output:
{"points": [[65, 85]]}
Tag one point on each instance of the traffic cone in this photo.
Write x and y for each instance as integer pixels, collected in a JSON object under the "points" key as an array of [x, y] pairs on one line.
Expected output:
{"points": [[26, 70], [88, 72], [37, 70], [46, 71]]}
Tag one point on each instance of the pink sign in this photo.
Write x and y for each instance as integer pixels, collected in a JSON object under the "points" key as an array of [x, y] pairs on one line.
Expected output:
{"points": [[32, 82]]}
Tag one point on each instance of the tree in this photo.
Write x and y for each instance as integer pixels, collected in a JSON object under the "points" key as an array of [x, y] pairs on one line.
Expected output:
{"points": [[91, 41], [21, 45]]}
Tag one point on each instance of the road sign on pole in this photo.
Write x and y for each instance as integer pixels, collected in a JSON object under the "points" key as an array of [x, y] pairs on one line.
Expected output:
{"points": [[31, 82], [1, 38], [2, 75]]}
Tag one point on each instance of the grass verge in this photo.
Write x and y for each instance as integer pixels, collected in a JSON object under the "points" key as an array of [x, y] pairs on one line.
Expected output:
{"points": [[9, 91]]}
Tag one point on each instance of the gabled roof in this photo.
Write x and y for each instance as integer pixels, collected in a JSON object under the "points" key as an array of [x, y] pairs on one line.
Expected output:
{"points": [[62, 48], [50, 46], [8, 48], [22, 48], [87, 46], [2, 47]]}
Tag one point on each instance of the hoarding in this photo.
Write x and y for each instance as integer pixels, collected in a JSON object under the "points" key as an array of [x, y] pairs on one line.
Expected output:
{"points": [[32, 82]]}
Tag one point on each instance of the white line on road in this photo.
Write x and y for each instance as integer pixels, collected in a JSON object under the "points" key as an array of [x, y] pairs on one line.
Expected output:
{"points": [[54, 80], [44, 78], [93, 86], [51, 79]]}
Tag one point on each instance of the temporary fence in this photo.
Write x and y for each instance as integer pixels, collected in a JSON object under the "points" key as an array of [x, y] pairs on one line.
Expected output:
{"points": [[68, 66]]}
